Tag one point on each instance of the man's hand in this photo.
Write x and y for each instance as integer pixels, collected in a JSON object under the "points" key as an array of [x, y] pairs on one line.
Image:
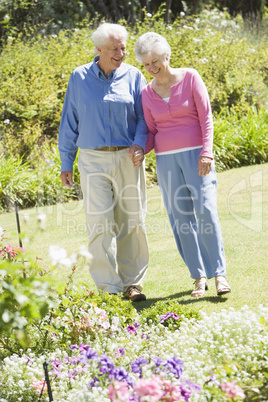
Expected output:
{"points": [[136, 154], [204, 165], [67, 179]]}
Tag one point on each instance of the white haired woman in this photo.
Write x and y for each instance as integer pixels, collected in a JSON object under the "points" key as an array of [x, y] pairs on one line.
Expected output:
{"points": [[178, 115]]}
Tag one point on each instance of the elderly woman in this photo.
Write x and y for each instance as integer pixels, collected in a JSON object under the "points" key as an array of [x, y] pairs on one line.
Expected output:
{"points": [[178, 115]]}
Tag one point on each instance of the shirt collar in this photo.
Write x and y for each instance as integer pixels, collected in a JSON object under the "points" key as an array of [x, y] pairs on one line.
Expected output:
{"points": [[97, 71]]}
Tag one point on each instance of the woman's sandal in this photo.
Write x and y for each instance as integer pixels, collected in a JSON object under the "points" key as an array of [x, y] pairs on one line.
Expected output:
{"points": [[200, 287], [222, 286]]}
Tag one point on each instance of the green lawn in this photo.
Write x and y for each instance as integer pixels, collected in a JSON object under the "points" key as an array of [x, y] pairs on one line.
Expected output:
{"points": [[243, 211]]}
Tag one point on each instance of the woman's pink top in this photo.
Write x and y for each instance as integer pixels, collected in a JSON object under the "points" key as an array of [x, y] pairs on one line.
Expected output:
{"points": [[184, 122]]}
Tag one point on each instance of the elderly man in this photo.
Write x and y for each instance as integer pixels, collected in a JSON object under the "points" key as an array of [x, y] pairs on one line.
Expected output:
{"points": [[102, 115]]}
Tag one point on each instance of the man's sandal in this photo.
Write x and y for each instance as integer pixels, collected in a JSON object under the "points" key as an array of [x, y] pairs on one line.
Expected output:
{"points": [[200, 287], [222, 286]]}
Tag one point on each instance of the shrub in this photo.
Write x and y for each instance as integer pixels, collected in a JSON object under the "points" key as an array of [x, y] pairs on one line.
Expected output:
{"points": [[168, 313]]}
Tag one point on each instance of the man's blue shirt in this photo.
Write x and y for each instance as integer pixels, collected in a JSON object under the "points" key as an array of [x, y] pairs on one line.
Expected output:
{"points": [[100, 111]]}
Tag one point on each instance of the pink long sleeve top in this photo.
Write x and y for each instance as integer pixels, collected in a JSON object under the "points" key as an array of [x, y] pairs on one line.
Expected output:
{"points": [[184, 122]]}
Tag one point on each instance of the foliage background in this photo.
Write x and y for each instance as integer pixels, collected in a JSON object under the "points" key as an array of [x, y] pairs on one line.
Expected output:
{"points": [[230, 55]]}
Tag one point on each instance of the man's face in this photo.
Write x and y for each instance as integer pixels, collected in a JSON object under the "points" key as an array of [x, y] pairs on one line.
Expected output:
{"points": [[112, 54]]}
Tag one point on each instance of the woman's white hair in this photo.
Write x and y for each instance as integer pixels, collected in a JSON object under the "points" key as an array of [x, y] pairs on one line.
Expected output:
{"points": [[151, 42], [105, 31]]}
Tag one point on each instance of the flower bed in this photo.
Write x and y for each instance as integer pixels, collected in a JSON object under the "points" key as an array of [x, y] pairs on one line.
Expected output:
{"points": [[98, 348]]}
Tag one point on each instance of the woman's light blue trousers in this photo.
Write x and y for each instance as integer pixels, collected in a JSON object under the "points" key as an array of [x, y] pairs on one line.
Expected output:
{"points": [[191, 203]]}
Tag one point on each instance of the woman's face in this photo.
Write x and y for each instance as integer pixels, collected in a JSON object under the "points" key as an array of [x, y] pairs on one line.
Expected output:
{"points": [[156, 64]]}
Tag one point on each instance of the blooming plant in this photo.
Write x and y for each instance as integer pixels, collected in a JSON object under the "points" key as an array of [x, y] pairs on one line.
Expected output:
{"points": [[99, 349], [9, 252]]}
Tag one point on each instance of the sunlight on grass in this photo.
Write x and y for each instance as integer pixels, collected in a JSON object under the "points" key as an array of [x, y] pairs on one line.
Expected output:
{"points": [[243, 211]]}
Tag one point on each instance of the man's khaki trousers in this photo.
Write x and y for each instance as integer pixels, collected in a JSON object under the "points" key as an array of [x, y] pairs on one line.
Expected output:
{"points": [[114, 195]]}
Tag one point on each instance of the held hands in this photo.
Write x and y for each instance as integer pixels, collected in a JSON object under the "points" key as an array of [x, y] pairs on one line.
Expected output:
{"points": [[67, 179], [204, 165], [136, 154]]}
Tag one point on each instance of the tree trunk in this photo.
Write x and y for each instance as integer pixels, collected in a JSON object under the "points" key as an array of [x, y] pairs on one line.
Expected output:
{"points": [[168, 9]]}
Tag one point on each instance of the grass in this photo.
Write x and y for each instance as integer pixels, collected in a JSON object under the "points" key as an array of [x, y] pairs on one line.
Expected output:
{"points": [[243, 211]]}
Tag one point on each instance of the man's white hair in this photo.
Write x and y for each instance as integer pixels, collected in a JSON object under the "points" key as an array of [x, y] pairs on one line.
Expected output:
{"points": [[105, 31], [149, 43]]}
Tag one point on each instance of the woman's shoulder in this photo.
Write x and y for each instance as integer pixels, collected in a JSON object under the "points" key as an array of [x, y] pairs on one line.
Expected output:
{"points": [[187, 71], [149, 87]]}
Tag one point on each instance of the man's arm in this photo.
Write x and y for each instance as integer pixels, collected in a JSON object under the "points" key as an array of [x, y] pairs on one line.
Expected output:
{"points": [[68, 132]]}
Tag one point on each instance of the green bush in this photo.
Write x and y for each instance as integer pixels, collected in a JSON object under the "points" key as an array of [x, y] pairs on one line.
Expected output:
{"points": [[153, 314], [34, 185], [35, 72]]}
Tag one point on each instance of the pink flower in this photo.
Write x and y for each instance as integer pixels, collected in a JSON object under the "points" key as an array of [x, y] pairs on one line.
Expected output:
{"points": [[131, 329], [11, 252], [232, 390], [149, 387], [172, 392], [38, 385], [8, 248], [119, 391]]}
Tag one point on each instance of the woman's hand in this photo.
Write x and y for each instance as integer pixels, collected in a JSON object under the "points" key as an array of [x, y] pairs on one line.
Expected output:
{"points": [[204, 165]]}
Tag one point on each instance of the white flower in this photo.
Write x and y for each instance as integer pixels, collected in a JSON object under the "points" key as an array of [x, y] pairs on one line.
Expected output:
{"points": [[204, 60], [182, 14], [41, 219], [83, 252], [149, 15], [6, 121], [57, 254], [26, 218], [1, 233], [186, 27]]}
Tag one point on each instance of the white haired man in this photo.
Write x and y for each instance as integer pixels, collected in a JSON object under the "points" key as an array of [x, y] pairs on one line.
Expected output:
{"points": [[102, 115]]}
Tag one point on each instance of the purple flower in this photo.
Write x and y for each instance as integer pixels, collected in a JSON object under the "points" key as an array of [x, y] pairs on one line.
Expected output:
{"points": [[157, 361], [73, 347], [120, 352], [166, 316], [174, 366], [106, 365], [87, 355], [144, 336], [214, 379], [94, 382], [193, 386], [136, 365], [57, 363], [56, 371], [133, 398], [131, 329], [136, 325], [75, 360], [121, 374], [28, 360], [185, 392], [71, 375], [83, 347]]}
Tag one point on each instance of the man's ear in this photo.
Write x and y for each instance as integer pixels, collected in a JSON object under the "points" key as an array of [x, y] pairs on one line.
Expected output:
{"points": [[98, 50]]}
